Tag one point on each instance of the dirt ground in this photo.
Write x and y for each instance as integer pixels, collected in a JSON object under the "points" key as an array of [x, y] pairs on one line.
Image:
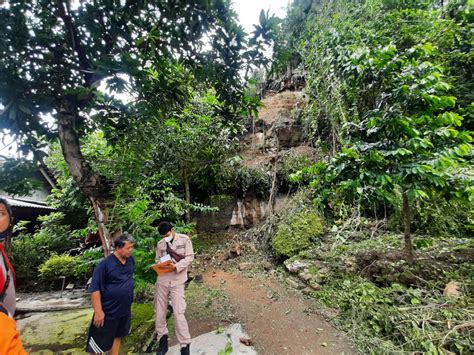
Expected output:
{"points": [[279, 320]]}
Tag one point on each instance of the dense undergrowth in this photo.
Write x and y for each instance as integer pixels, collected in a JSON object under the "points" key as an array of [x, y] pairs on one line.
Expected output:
{"points": [[389, 110], [383, 302], [397, 307]]}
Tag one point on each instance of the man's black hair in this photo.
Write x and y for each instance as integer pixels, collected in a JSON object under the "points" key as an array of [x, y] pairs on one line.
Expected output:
{"points": [[120, 241], [164, 227]]}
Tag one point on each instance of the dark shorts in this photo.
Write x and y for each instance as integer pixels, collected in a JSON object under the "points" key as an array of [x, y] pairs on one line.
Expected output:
{"points": [[100, 340]]}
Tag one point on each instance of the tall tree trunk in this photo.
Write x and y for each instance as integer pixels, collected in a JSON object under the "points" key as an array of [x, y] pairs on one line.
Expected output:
{"points": [[187, 193], [407, 227], [273, 189], [101, 218], [88, 181], [333, 136]]}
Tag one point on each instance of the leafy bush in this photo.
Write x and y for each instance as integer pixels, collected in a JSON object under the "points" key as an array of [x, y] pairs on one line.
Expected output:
{"points": [[438, 218], [54, 235], [144, 255], [298, 234], [59, 265], [26, 256], [29, 251], [235, 177], [292, 163], [87, 261]]}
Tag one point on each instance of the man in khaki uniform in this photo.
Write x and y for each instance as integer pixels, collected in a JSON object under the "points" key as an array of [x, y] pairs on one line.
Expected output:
{"points": [[171, 285]]}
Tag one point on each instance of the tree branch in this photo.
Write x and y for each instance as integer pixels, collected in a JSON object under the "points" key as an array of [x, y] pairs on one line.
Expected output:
{"points": [[74, 39], [109, 40]]}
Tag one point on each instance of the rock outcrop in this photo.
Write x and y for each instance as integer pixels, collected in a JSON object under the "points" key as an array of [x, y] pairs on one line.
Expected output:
{"points": [[271, 138]]}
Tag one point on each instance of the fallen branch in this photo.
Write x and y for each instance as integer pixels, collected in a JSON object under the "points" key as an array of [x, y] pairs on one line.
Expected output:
{"points": [[459, 326]]}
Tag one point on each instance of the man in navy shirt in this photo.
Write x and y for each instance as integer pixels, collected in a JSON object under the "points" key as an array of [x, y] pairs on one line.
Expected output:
{"points": [[112, 296]]}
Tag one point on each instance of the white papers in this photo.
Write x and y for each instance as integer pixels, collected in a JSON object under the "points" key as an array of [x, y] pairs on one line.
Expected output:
{"points": [[164, 259]]}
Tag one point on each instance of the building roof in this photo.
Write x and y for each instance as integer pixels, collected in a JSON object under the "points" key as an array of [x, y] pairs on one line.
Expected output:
{"points": [[17, 202]]}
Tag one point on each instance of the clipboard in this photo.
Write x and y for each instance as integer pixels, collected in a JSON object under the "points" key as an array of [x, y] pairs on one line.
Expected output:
{"points": [[164, 261]]}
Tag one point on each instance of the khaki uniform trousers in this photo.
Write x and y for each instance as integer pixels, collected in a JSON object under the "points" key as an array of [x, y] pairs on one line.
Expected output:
{"points": [[176, 293]]}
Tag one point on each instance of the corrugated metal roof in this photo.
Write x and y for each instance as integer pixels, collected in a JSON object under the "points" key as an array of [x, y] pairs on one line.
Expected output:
{"points": [[26, 204]]}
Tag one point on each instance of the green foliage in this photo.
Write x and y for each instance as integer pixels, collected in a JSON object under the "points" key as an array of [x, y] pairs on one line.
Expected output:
{"points": [[398, 318], [288, 35], [143, 291], [116, 46], [264, 35], [126, 107], [392, 147], [28, 251], [381, 78], [142, 326], [235, 177], [438, 218], [221, 200], [17, 176], [26, 255], [298, 234], [387, 305], [59, 265], [194, 143], [227, 350], [292, 163], [144, 255], [88, 260]]}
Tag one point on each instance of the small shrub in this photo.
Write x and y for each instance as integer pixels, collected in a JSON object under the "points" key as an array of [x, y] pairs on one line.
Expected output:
{"points": [[26, 256], [29, 251], [298, 234], [292, 163], [236, 177], [144, 256], [59, 265]]}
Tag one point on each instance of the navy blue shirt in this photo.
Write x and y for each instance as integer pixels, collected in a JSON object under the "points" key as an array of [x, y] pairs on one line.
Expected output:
{"points": [[114, 280]]}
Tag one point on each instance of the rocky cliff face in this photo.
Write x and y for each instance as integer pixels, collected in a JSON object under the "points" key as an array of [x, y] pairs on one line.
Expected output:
{"points": [[275, 131], [270, 139]]}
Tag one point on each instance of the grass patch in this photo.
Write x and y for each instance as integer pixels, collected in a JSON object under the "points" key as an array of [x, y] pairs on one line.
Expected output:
{"points": [[143, 326], [204, 302]]}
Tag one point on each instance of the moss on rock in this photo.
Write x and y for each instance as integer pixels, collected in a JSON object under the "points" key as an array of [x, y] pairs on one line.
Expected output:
{"points": [[142, 327], [55, 331], [298, 233]]}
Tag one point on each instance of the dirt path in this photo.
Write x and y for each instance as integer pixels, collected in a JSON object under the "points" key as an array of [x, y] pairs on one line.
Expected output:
{"points": [[279, 321]]}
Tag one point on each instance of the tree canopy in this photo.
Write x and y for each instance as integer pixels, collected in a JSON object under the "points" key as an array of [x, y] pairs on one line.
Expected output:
{"points": [[63, 65]]}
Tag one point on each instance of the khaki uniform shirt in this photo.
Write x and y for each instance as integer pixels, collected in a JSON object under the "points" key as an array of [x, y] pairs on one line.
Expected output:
{"points": [[182, 245]]}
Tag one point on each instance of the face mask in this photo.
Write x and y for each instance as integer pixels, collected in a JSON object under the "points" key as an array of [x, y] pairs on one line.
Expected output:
{"points": [[168, 239]]}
